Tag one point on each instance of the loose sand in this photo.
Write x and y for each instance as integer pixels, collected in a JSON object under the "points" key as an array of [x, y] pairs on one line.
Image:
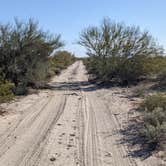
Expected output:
{"points": [[72, 124]]}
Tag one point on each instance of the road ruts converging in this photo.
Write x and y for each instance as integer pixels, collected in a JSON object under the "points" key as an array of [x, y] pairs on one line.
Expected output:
{"points": [[72, 126]]}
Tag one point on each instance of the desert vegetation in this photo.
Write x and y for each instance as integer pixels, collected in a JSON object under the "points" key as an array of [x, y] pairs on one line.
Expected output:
{"points": [[154, 120], [117, 54], [125, 55], [26, 57], [59, 61], [121, 54]]}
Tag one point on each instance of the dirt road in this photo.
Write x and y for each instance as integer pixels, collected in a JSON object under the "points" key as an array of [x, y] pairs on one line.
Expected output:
{"points": [[73, 124]]}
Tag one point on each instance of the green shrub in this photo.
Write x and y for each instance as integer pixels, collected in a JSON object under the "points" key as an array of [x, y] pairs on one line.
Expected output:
{"points": [[24, 52], [154, 118], [153, 102], [6, 93], [121, 53], [61, 60], [140, 92], [162, 79]]}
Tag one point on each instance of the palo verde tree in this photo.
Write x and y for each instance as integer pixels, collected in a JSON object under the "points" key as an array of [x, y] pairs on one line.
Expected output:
{"points": [[24, 50], [117, 51]]}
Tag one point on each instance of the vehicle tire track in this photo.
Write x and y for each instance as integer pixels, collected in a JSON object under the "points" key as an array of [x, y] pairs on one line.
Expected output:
{"points": [[88, 140], [73, 124], [117, 127], [21, 126], [25, 144], [33, 153], [113, 153]]}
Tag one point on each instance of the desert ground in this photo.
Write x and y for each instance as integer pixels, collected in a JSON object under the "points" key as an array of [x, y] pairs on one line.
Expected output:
{"points": [[74, 123]]}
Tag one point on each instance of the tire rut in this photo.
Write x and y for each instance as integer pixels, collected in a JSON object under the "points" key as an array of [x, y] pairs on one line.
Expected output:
{"points": [[28, 111], [73, 124], [34, 153], [88, 141], [25, 144], [19, 127], [113, 153]]}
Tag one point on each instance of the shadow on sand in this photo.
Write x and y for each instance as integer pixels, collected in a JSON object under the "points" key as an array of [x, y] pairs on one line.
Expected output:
{"points": [[74, 85], [132, 138]]}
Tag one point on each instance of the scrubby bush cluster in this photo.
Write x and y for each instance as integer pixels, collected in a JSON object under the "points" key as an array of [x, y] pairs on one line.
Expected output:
{"points": [[60, 60], [6, 93], [121, 53], [25, 52], [162, 79], [154, 119]]}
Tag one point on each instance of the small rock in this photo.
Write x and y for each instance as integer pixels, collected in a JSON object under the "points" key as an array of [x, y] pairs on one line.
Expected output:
{"points": [[72, 135], [52, 159], [69, 145], [108, 154]]}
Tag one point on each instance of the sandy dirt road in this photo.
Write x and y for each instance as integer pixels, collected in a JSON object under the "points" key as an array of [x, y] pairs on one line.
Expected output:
{"points": [[73, 124]]}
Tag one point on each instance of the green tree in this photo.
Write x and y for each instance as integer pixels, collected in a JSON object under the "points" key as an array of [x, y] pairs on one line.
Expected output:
{"points": [[118, 51], [24, 51]]}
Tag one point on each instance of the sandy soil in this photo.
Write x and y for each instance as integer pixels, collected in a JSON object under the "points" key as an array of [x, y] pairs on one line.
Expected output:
{"points": [[73, 124]]}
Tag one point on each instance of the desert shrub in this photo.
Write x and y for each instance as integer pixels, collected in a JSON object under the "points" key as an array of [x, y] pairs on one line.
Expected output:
{"points": [[6, 93], [156, 65], [24, 52], [162, 79], [153, 102], [122, 53], [61, 60], [140, 92], [154, 119]]}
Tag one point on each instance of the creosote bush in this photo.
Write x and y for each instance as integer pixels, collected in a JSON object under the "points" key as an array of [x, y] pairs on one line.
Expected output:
{"points": [[154, 118]]}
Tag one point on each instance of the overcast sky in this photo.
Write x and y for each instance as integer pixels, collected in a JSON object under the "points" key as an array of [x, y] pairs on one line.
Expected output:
{"points": [[70, 17]]}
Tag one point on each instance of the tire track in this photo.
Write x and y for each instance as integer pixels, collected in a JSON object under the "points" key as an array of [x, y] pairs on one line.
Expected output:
{"points": [[92, 142], [112, 153], [73, 124], [21, 126], [117, 126], [15, 124], [34, 134], [33, 153], [88, 140], [81, 116]]}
